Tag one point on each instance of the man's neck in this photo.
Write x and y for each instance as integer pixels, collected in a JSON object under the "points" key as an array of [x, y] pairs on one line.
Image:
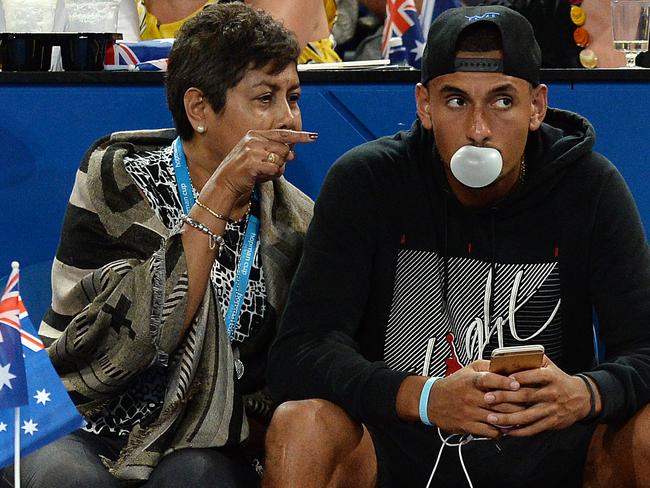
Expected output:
{"points": [[483, 197]]}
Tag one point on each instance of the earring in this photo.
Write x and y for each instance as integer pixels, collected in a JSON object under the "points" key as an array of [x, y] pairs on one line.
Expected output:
{"points": [[200, 129]]}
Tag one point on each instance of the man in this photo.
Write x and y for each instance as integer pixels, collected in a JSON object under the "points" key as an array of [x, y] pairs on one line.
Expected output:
{"points": [[490, 223]]}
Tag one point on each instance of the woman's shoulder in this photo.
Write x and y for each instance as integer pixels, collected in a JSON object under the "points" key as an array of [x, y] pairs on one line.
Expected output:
{"points": [[146, 138], [115, 147], [129, 142], [116, 166], [106, 157]]}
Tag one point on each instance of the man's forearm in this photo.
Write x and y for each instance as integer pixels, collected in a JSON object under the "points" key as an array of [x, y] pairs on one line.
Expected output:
{"points": [[408, 398]]}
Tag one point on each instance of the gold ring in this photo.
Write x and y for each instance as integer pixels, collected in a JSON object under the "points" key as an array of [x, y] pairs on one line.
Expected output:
{"points": [[272, 158]]}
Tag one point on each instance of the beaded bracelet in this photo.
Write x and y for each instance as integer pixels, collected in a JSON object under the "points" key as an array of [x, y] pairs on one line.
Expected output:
{"points": [[212, 212], [592, 397], [213, 239], [424, 400]]}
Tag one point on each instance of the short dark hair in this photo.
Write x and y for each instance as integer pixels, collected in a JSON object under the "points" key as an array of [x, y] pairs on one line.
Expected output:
{"points": [[479, 38], [214, 50]]}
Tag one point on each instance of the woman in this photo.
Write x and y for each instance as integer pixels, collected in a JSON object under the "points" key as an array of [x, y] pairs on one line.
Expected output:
{"points": [[173, 265], [310, 20]]}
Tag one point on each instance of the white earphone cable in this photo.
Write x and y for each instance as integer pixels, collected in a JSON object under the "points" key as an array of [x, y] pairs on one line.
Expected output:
{"points": [[446, 441]]}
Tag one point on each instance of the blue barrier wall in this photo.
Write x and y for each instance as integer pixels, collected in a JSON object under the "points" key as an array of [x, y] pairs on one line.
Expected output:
{"points": [[46, 128]]}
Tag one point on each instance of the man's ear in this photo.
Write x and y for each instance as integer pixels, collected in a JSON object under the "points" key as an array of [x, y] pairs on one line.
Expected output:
{"points": [[423, 105], [539, 104]]}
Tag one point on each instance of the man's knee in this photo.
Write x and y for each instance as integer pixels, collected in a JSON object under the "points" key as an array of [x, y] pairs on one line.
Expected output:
{"points": [[309, 421], [618, 454], [316, 443]]}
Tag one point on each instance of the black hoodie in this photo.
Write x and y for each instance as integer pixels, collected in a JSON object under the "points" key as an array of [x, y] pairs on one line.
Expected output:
{"points": [[393, 260]]}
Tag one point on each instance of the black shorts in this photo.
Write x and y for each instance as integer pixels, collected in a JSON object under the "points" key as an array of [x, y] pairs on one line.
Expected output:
{"points": [[407, 452]]}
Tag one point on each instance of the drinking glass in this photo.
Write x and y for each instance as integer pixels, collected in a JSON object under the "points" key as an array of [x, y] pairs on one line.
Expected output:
{"points": [[92, 15], [630, 27], [26, 16]]}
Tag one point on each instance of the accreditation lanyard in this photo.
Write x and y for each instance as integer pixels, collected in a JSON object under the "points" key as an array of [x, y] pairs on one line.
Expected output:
{"points": [[183, 181], [251, 238]]}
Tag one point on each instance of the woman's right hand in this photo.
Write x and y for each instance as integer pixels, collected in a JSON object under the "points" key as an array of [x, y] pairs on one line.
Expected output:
{"points": [[259, 156]]}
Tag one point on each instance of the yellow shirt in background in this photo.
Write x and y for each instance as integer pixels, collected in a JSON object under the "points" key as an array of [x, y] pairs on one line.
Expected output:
{"points": [[151, 29], [315, 52], [322, 51]]}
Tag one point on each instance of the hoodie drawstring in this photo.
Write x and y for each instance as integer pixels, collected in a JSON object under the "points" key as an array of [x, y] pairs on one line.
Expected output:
{"points": [[493, 268], [445, 260]]}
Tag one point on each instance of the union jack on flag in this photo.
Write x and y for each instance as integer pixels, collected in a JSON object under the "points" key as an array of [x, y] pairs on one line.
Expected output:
{"points": [[402, 21], [13, 383], [127, 55], [47, 412]]}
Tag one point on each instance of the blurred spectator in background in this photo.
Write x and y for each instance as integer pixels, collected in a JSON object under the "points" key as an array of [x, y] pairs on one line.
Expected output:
{"points": [[161, 19], [347, 20], [555, 23], [378, 7], [310, 20], [599, 25], [374, 46], [572, 34], [553, 26], [355, 30]]}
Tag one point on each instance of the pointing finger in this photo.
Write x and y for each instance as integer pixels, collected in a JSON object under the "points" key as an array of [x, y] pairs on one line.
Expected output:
{"points": [[288, 136]]}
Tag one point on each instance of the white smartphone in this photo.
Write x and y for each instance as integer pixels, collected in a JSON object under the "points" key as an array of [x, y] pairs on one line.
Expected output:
{"points": [[508, 360]]}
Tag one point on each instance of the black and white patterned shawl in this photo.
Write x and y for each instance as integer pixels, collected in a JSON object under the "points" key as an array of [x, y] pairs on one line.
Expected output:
{"points": [[119, 284]]}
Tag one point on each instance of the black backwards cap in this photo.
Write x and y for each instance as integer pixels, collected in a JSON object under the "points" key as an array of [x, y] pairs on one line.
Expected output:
{"points": [[522, 56]]}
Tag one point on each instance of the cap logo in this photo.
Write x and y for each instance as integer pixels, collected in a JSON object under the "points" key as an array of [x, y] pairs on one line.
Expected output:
{"points": [[486, 15]]}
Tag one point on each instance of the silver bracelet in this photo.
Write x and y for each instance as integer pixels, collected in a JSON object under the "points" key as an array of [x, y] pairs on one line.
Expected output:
{"points": [[213, 239]]}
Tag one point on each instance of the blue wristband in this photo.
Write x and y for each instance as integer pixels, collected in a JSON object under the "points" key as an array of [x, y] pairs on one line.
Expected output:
{"points": [[424, 400]]}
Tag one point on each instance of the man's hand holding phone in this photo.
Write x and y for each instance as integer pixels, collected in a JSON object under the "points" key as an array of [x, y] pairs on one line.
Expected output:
{"points": [[549, 399], [456, 403], [509, 360]]}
